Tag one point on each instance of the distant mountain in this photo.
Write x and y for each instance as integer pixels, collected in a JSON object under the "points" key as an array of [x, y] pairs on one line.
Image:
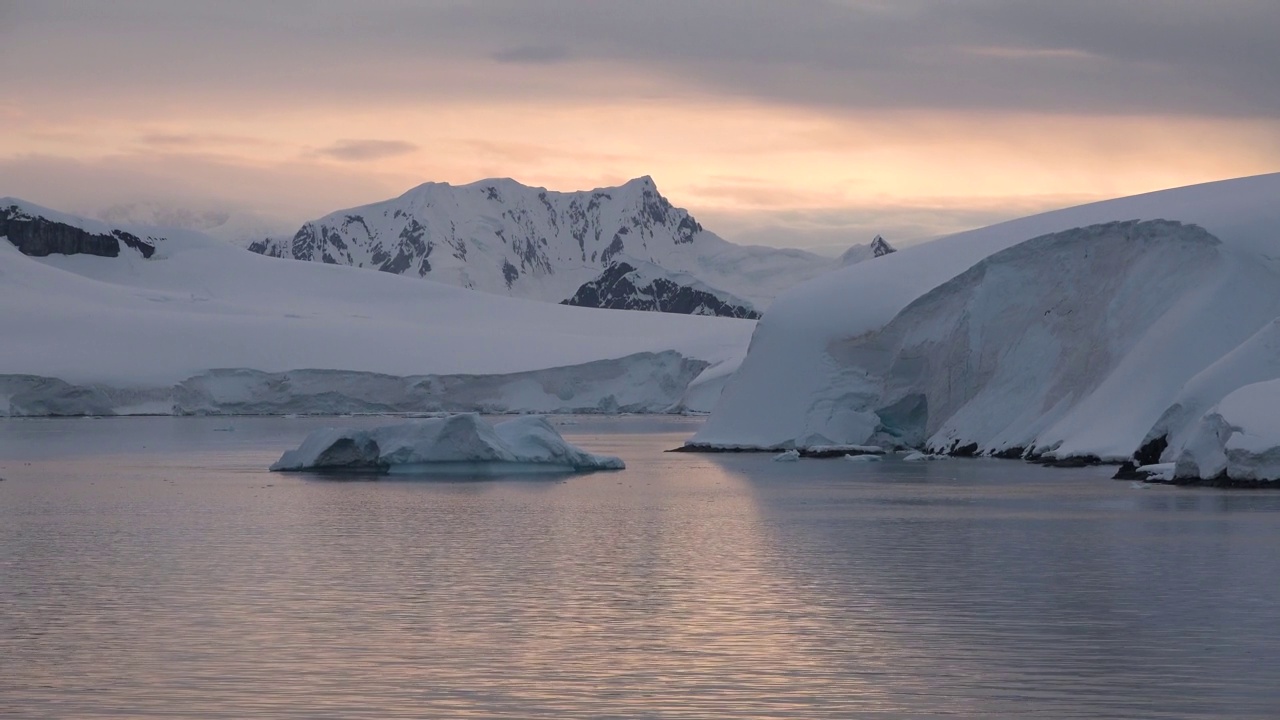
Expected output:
{"points": [[878, 247], [233, 226], [502, 237]]}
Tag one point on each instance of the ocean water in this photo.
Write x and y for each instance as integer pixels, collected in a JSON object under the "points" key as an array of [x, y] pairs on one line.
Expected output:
{"points": [[150, 567]]}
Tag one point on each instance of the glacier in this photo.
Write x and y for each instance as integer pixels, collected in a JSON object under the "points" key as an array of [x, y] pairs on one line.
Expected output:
{"points": [[458, 444], [1083, 333], [202, 326]]}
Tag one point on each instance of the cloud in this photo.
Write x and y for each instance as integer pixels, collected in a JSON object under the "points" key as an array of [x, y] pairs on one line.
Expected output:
{"points": [[361, 150], [284, 192], [532, 55], [1100, 56], [196, 141]]}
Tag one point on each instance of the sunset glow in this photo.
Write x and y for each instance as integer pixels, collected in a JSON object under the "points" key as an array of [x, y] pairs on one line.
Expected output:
{"points": [[294, 134]]}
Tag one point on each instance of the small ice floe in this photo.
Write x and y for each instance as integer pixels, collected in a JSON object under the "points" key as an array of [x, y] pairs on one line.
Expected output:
{"points": [[832, 451], [455, 444], [788, 456], [862, 458], [1139, 485], [917, 456]]}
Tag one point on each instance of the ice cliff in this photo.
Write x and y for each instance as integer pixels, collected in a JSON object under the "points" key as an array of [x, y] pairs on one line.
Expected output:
{"points": [[1079, 333]]}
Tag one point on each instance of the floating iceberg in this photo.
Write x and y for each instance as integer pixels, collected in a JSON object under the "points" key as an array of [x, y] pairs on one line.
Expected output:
{"points": [[787, 456], [458, 443]]}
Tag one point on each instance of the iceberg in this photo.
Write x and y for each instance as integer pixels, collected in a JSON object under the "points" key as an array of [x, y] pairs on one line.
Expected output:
{"points": [[457, 443]]}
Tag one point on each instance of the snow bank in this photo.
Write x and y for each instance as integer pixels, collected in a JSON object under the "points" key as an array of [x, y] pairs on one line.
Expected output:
{"points": [[1237, 441], [458, 443], [1072, 345]]}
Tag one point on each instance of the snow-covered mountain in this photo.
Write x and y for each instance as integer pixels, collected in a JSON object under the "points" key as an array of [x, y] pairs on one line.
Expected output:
{"points": [[502, 237], [203, 326], [1077, 333], [878, 247]]}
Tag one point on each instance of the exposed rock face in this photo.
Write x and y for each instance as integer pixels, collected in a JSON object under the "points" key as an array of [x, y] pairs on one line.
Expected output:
{"points": [[38, 236], [623, 287], [881, 247]]}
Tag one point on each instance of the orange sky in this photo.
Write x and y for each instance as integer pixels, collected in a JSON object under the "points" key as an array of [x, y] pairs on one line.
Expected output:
{"points": [[755, 166]]}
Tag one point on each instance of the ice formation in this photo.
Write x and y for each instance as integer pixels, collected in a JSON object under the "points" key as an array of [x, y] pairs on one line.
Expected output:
{"points": [[1081, 333], [455, 444]]}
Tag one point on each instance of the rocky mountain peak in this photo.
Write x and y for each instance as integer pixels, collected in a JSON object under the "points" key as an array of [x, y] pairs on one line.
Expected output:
{"points": [[881, 247]]}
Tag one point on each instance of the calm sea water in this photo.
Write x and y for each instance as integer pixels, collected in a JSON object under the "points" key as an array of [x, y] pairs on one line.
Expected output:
{"points": [[150, 568]]}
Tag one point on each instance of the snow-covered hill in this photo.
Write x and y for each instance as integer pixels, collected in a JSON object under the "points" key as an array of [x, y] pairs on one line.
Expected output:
{"points": [[502, 237], [1073, 333], [202, 325]]}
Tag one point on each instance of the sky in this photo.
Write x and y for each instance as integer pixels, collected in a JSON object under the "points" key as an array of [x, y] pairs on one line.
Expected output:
{"points": [[800, 123]]}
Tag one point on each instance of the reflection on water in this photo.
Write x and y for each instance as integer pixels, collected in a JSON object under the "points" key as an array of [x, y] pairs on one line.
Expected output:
{"points": [[180, 580]]}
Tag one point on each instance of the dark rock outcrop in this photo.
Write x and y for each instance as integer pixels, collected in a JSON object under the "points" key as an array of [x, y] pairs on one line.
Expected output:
{"points": [[622, 287], [39, 237], [881, 247]]}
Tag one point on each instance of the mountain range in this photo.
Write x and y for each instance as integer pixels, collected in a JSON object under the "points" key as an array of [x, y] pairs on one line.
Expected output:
{"points": [[617, 247]]}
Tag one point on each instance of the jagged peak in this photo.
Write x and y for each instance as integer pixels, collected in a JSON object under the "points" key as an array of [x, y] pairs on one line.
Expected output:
{"points": [[639, 184], [881, 247], [643, 182]]}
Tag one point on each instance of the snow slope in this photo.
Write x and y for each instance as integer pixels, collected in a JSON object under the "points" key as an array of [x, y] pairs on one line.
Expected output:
{"points": [[201, 304], [1072, 344], [502, 237]]}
